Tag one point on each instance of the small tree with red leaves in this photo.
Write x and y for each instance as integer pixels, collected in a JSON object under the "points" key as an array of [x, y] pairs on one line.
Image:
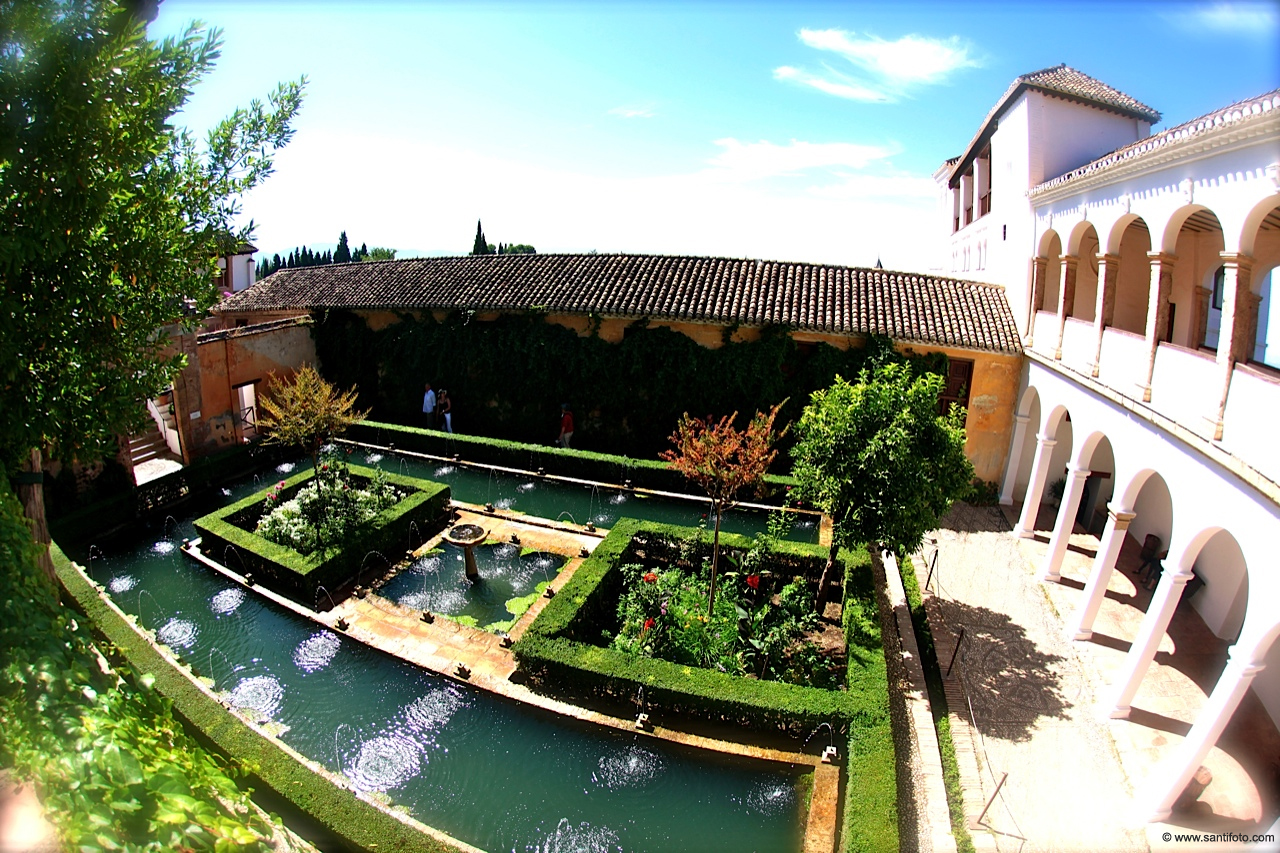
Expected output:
{"points": [[724, 462]]}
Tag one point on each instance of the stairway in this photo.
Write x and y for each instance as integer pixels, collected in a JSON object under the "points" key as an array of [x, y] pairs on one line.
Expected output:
{"points": [[150, 453]]}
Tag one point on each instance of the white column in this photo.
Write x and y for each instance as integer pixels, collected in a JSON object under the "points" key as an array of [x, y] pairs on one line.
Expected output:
{"points": [[1100, 575], [1011, 475], [1172, 776], [1076, 476], [1035, 488], [1136, 663]]}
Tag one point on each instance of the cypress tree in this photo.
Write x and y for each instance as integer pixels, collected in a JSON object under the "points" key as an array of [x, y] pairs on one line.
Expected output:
{"points": [[343, 253], [481, 246]]}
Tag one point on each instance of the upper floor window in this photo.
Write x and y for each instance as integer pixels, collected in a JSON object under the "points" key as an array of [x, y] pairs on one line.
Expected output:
{"points": [[1219, 285]]}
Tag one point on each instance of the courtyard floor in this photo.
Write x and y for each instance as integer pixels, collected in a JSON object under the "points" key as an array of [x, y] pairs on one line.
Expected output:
{"points": [[1027, 701]]}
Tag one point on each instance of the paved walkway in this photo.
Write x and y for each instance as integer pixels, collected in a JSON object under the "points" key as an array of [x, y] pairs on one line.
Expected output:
{"points": [[1028, 702]]}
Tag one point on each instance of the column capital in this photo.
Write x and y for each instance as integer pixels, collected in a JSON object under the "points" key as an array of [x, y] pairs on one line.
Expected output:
{"points": [[1079, 471], [1069, 260], [1161, 257], [1046, 440], [1108, 258], [1022, 419], [1239, 260], [1120, 518]]}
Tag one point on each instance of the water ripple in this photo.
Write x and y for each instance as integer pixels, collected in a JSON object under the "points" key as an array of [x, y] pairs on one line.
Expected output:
{"points": [[227, 600], [261, 693], [632, 768], [316, 651], [286, 467], [178, 633], [771, 798], [583, 838], [385, 762], [123, 583], [164, 546]]}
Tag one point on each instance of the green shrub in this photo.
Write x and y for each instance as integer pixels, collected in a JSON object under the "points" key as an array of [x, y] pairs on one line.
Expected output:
{"points": [[110, 762]]}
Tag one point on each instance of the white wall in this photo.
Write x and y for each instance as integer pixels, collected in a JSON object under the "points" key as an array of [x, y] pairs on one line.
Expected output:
{"points": [[1073, 134], [1153, 512], [1221, 602]]}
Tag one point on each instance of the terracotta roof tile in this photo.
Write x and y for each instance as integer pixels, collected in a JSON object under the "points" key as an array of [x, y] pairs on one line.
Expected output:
{"points": [[811, 297]]}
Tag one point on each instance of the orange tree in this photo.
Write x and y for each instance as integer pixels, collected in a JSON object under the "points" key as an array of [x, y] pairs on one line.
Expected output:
{"points": [[725, 462]]}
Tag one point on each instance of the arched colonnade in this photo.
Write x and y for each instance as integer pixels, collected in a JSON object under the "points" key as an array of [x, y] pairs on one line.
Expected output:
{"points": [[1123, 476]]}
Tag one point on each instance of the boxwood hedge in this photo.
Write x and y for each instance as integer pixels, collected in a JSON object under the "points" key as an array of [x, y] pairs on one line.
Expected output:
{"points": [[230, 529]]}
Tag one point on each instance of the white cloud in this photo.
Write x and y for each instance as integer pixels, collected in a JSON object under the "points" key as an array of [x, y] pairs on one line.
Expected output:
{"points": [[887, 70], [633, 112], [751, 160], [1238, 18], [414, 196], [840, 87]]}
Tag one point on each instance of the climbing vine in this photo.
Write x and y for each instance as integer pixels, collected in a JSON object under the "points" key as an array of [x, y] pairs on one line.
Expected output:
{"points": [[507, 377]]}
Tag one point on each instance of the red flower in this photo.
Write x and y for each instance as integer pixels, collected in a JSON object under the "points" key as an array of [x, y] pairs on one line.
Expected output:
{"points": [[650, 578], [648, 623], [753, 581]]}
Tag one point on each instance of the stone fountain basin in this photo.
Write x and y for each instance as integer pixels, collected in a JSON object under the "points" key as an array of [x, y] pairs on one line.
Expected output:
{"points": [[465, 535]]}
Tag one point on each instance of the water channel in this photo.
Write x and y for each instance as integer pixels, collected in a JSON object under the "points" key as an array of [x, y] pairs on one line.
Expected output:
{"points": [[492, 773]]}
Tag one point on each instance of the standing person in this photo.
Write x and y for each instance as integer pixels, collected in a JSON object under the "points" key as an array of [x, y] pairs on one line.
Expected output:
{"points": [[429, 407], [566, 426], [446, 410]]}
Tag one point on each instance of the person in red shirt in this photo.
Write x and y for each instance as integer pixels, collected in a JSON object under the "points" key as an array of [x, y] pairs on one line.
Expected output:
{"points": [[566, 425]]}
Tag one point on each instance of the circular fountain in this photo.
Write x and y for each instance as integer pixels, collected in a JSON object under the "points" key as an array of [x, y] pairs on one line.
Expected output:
{"points": [[467, 536]]}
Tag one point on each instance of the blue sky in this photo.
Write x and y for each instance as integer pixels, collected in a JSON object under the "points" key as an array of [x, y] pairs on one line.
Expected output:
{"points": [[786, 131]]}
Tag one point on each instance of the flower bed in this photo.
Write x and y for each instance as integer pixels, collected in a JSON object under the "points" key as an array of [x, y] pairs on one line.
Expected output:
{"points": [[229, 535], [571, 643]]}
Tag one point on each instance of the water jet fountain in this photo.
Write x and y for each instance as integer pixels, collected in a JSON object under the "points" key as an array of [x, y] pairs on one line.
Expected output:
{"points": [[467, 536]]}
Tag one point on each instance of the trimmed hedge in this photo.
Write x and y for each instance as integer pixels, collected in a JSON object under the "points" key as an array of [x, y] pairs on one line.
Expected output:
{"points": [[559, 646], [582, 464], [355, 821], [284, 570]]}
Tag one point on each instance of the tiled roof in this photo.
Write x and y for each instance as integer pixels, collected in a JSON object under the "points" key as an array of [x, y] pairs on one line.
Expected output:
{"points": [[810, 297], [1230, 117], [1065, 80], [1059, 80]]}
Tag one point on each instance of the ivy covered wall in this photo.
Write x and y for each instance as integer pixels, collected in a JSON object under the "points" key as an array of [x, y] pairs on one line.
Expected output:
{"points": [[507, 377]]}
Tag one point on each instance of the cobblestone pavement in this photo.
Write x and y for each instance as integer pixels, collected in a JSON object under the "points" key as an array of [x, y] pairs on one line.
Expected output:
{"points": [[1027, 701]]}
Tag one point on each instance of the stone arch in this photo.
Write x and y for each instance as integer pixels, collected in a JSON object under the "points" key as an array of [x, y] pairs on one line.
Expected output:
{"points": [[1222, 595], [1147, 495], [1261, 234], [1051, 253], [1022, 452], [1097, 454], [1130, 241], [1085, 245]]}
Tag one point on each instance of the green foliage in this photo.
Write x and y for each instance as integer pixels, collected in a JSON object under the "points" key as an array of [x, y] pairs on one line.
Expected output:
{"points": [[307, 411], [359, 824], [112, 765], [480, 246], [342, 254], [327, 513], [516, 249], [113, 217], [626, 395], [379, 253], [561, 647], [878, 458], [227, 535]]}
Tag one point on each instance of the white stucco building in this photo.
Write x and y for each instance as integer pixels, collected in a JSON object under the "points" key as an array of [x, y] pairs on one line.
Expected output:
{"points": [[1139, 269]]}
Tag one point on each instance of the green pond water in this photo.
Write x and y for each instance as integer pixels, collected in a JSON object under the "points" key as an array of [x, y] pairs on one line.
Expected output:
{"points": [[490, 772]]}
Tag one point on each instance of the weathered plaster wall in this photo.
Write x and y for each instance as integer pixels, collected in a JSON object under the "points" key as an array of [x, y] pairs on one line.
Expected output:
{"points": [[225, 360]]}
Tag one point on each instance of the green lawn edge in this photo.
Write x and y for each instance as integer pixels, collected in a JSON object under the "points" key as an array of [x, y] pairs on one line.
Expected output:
{"points": [[350, 818]]}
